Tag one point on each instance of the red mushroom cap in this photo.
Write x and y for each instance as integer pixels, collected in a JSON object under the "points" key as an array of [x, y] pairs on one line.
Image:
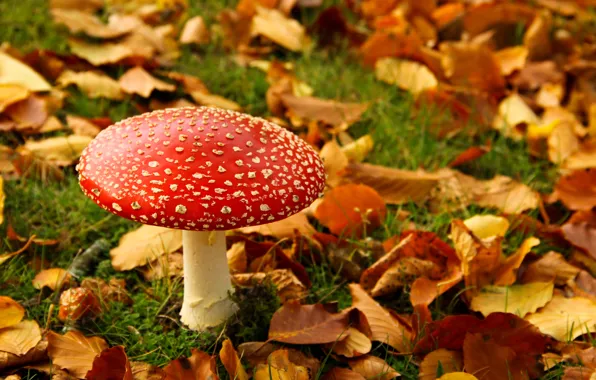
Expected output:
{"points": [[200, 169]]}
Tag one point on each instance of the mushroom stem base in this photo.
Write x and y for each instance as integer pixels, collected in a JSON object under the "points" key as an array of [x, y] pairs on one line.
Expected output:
{"points": [[207, 280]]}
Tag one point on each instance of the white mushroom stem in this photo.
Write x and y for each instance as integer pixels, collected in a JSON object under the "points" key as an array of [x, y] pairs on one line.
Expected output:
{"points": [[207, 280]]}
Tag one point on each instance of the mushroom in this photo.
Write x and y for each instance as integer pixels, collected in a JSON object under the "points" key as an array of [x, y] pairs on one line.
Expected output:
{"points": [[202, 170]]}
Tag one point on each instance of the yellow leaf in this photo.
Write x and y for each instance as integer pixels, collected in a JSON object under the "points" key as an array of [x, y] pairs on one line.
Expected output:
{"points": [[231, 361], [357, 151], [334, 160], [10, 94], [13, 71], [279, 367], [143, 245], [458, 376], [139, 81], [74, 352], [194, 32], [11, 312], [20, 338], [566, 318], [450, 361], [212, 100], [100, 54], [61, 150], [81, 126], [487, 226], [92, 83], [324, 110], [283, 229], [516, 299], [280, 29], [355, 344], [512, 59], [53, 278], [77, 21], [373, 368], [407, 75], [562, 143], [514, 112]]}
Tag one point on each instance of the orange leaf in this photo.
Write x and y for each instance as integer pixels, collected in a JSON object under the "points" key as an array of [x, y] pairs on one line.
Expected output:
{"points": [[74, 352], [389, 44], [384, 325], [139, 81], [489, 360], [199, 366], [338, 373], [280, 367], [372, 367], [53, 278], [307, 324], [11, 312], [484, 16], [470, 154], [327, 111], [450, 361], [111, 364], [347, 209], [550, 266], [230, 360], [577, 190]]}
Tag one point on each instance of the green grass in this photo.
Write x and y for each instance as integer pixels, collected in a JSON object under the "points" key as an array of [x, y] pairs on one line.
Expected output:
{"points": [[147, 328]]}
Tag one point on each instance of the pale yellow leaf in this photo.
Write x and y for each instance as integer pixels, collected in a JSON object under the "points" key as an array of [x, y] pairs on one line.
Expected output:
{"points": [[279, 367], [487, 226], [516, 299], [13, 71], [566, 318], [194, 32], [78, 21], [514, 113], [74, 352], [562, 143], [100, 54], [280, 29], [11, 312], [92, 83], [143, 245], [11, 93], [20, 338], [355, 344], [81, 126], [212, 100], [334, 160], [407, 75], [357, 150], [450, 361], [139, 81], [283, 229], [512, 59], [60, 150], [458, 376]]}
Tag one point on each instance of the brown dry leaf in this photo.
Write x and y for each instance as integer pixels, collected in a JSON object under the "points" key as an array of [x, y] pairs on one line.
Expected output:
{"points": [[283, 229], [93, 84], [562, 143], [407, 75], [482, 17], [513, 114], [139, 81], [512, 59], [112, 291], [565, 318], [212, 100], [586, 282], [393, 43], [144, 245], [167, 265], [52, 124], [53, 278], [35, 355], [198, 366], [231, 361], [550, 267], [472, 66], [13, 71], [60, 150], [156, 104], [384, 326], [101, 54], [470, 154], [491, 360], [338, 373], [334, 160], [324, 110], [29, 114], [402, 272], [279, 367], [351, 209], [289, 287], [146, 371], [10, 94], [516, 299], [74, 352], [280, 29], [307, 324], [12, 312], [90, 6], [111, 364], [507, 273], [2, 199], [76, 303], [395, 186], [537, 38], [82, 126], [237, 259], [355, 344], [576, 190], [78, 21], [536, 74], [450, 361], [372, 367], [20, 338], [195, 32]]}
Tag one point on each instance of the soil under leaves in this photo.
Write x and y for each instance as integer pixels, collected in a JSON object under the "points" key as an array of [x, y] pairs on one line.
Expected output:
{"points": [[454, 239]]}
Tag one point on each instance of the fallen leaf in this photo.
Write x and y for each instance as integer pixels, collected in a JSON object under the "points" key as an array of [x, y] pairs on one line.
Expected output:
{"points": [[81, 126], [230, 360], [289, 287], [139, 81], [35, 355], [212, 100], [13, 71], [11, 93], [280, 29], [194, 32], [338, 373], [448, 361], [458, 376], [76, 303], [576, 190], [143, 245], [372, 367], [12, 312], [6, 256], [550, 267], [111, 364], [357, 150], [517, 299], [20, 338], [536, 74], [487, 226], [490, 360], [512, 59], [565, 318], [146, 371], [586, 282], [100, 54], [324, 110], [482, 17], [198, 366], [354, 344], [395, 186], [77, 21], [507, 272], [29, 114], [470, 154], [279, 367], [107, 292], [74, 352], [91, 83], [513, 115], [334, 160], [60, 150], [562, 143], [384, 326], [53, 278], [283, 229], [537, 38], [307, 324], [350, 209], [2, 199], [407, 75], [384, 43]]}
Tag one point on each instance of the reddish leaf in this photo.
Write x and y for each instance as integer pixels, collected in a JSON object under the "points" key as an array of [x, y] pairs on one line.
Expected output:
{"points": [[200, 366], [470, 154], [230, 360], [338, 373], [577, 190], [111, 364], [448, 333], [331, 25]]}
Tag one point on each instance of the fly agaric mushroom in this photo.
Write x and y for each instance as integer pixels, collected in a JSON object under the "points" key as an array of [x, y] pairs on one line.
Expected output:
{"points": [[202, 170]]}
